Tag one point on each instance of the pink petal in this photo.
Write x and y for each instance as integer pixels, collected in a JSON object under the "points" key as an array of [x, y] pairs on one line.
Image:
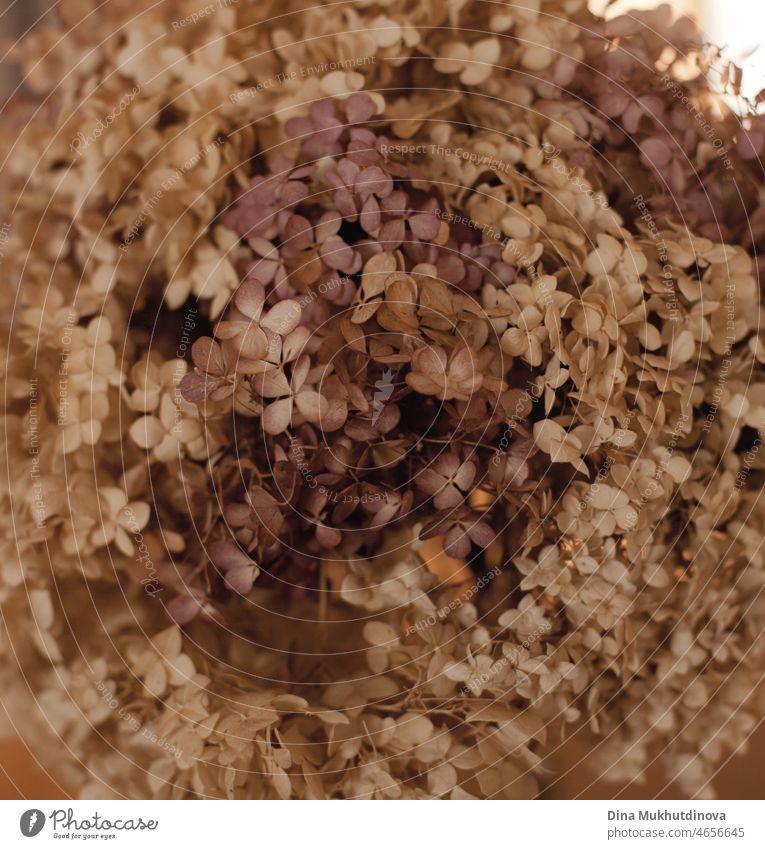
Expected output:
{"points": [[312, 405], [283, 318], [323, 113], [465, 475], [261, 271], [230, 329], [750, 144], [226, 555], [430, 481], [276, 417], [424, 227], [482, 534], [294, 343], [195, 386], [451, 269], [272, 384], [249, 299], [613, 102], [446, 465], [370, 215], [348, 171], [457, 543], [297, 127], [336, 415], [396, 203], [241, 579], [391, 234], [253, 343], [292, 193], [208, 356], [322, 143], [656, 153], [374, 180], [328, 537], [336, 254], [359, 108], [300, 372], [448, 498], [298, 233], [345, 203], [328, 225], [183, 608]]}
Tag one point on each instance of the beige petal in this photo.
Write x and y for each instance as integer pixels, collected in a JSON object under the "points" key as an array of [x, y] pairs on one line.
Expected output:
{"points": [[147, 432]]}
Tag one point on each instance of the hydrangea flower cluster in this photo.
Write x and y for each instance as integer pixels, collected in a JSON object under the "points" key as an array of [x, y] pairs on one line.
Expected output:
{"points": [[374, 428], [353, 274]]}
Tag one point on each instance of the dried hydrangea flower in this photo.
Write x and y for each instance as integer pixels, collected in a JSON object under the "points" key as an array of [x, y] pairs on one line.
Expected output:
{"points": [[531, 343]]}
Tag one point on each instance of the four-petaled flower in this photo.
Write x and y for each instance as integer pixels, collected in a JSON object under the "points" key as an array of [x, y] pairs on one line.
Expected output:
{"points": [[456, 376], [447, 479]]}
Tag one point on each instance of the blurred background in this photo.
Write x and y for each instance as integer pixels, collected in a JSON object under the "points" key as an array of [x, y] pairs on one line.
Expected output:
{"points": [[734, 25]]}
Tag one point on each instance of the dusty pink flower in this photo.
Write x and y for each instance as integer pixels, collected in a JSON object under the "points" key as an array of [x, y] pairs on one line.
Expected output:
{"points": [[447, 479], [238, 570]]}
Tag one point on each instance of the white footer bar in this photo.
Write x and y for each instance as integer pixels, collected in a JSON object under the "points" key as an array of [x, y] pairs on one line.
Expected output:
{"points": [[382, 825]]}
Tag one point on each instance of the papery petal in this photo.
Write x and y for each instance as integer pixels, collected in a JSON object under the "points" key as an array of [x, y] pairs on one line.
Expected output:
{"points": [[147, 432], [374, 180], [424, 226], [241, 578], [300, 372], [481, 533], [336, 254], [336, 415], [195, 387], [208, 356], [249, 299], [272, 384], [429, 360], [465, 475], [392, 234], [283, 318], [448, 498], [328, 225], [396, 203], [298, 127], [294, 343], [345, 203], [312, 405], [292, 193], [348, 171], [184, 608], [226, 555], [328, 537], [253, 344], [369, 217], [655, 152], [298, 234], [430, 481], [359, 108], [276, 417], [457, 543], [230, 329]]}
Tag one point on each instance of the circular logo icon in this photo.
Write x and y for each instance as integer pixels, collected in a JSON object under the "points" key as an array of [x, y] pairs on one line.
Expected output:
{"points": [[31, 822]]}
